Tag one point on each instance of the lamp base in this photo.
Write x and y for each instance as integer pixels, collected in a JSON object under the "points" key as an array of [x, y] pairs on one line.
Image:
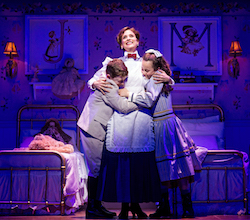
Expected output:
{"points": [[11, 68], [233, 68]]}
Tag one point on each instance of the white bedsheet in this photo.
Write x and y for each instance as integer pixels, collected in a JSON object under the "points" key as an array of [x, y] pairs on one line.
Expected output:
{"points": [[75, 189]]}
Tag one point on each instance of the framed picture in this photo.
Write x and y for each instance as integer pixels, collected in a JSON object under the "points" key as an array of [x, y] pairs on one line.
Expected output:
{"points": [[50, 40], [191, 45]]}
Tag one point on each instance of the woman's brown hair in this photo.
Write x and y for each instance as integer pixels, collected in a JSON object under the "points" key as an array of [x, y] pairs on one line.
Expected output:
{"points": [[121, 32]]}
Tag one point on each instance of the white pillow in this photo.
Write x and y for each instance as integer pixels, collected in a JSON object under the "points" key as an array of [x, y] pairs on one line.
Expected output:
{"points": [[213, 128], [27, 133], [207, 141], [215, 118], [26, 141], [72, 134]]}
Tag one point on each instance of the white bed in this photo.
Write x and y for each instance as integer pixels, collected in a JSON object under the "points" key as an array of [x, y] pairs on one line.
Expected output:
{"points": [[221, 187], [41, 181]]}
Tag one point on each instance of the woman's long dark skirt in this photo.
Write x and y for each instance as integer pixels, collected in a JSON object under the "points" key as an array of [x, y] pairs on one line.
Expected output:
{"points": [[128, 177]]}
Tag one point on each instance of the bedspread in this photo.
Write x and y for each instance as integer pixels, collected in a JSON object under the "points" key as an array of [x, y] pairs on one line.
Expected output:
{"points": [[75, 190]]}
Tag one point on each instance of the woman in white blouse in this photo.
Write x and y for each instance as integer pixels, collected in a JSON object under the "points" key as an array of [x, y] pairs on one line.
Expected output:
{"points": [[128, 172]]}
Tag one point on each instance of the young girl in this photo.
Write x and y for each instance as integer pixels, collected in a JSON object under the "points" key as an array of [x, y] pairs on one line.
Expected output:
{"points": [[175, 150]]}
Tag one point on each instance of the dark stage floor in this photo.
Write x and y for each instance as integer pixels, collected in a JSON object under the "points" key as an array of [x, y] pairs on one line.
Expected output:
{"points": [[81, 215]]}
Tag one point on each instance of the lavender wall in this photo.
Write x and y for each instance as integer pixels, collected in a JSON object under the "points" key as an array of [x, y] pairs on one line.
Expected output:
{"points": [[105, 20]]}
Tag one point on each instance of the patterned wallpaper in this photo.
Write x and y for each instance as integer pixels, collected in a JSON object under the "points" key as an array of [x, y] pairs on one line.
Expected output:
{"points": [[104, 22], [112, 7]]}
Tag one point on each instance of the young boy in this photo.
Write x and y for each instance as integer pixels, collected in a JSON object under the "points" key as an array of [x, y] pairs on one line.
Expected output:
{"points": [[93, 123]]}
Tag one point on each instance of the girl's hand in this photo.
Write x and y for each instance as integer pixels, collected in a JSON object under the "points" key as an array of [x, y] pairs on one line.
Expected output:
{"points": [[161, 77], [102, 85], [123, 92]]}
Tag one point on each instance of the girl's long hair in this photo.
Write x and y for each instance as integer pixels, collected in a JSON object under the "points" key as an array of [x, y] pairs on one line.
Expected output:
{"points": [[160, 63]]}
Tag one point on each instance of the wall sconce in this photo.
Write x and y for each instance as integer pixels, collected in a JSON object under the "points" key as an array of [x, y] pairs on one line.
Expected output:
{"points": [[233, 65], [11, 66]]}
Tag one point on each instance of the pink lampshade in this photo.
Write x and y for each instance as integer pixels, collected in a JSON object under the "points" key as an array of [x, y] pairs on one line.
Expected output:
{"points": [[235, 49], [10, 49]]}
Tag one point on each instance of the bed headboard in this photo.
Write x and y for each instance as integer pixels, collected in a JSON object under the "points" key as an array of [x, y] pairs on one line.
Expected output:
{"points": [[204, 123], [202, 110], [35, 116]]}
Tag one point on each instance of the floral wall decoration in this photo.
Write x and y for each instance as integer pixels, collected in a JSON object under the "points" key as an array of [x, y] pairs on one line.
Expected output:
{"points": [[236, 102], [4, 104], [135, 7], [247, 85], [247, 114], [97, 43]]}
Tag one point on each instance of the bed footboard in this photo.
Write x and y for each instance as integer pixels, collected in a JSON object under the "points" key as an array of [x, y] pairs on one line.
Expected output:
{"points": [[220, 188], [32, 178]]}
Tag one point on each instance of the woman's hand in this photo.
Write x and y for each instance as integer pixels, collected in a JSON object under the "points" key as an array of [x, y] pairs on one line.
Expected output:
{"points": [[123, 92], [161, 77], [102, 85]]}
